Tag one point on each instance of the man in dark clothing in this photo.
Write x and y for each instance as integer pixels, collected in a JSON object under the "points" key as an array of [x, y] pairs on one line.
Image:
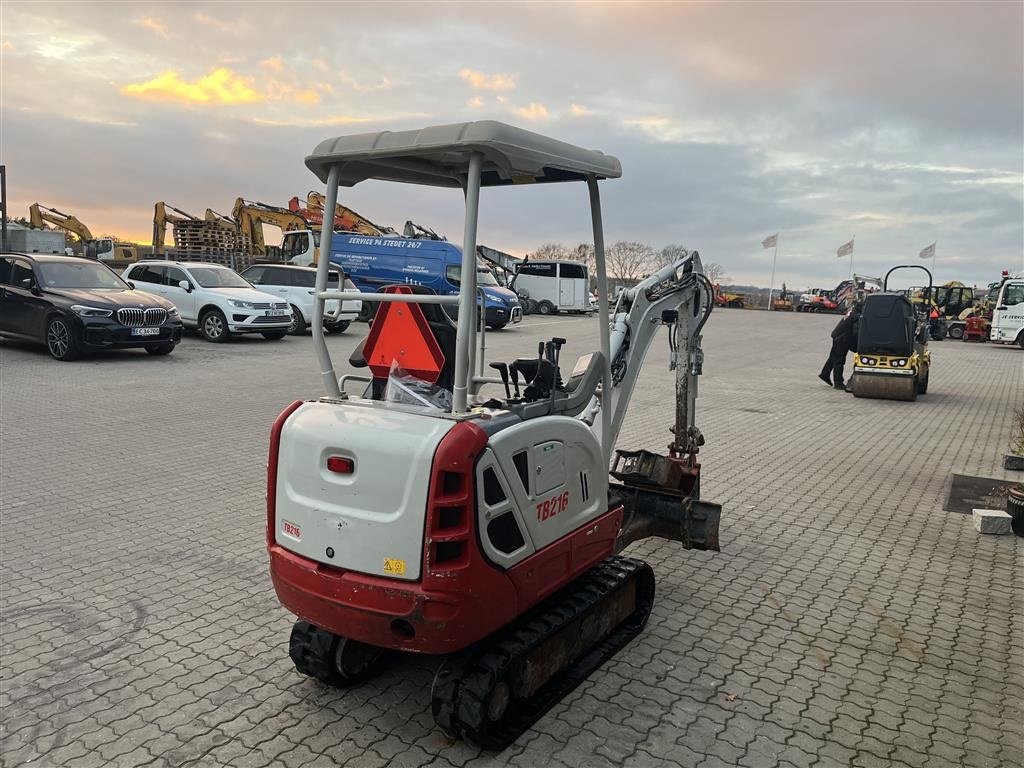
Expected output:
{"points": [[844, 339]]}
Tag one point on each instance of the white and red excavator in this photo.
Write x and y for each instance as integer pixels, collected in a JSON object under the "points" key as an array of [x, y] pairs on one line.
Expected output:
{"points": [[422, 515]]}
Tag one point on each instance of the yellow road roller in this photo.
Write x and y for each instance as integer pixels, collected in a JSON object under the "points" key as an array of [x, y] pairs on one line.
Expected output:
{"points": [[892, 360]]}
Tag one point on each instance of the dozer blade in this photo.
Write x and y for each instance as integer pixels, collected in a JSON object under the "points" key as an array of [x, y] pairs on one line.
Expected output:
{"points": [[649, 512], [885, 387], [494, 692]]}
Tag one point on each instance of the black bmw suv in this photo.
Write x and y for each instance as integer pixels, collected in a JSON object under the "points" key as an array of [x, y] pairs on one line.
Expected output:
{"points": [[75, 305]]}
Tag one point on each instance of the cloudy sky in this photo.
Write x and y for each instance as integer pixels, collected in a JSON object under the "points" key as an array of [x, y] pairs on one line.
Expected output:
{"points": [[900, 124]]}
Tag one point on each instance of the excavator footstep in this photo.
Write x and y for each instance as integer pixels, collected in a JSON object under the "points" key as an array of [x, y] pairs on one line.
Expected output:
{"points": [[495, 691]]}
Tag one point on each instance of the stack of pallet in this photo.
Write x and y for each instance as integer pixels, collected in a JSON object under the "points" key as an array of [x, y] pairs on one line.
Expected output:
{"points": [[199, 240]]}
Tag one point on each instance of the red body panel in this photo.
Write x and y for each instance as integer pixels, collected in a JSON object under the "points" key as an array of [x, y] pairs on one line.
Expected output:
{"points": [[275, 446], [550, 569], [462, 597]]}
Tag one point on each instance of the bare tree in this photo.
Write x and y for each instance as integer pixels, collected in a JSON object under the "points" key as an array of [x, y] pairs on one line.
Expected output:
{"points": [[629, 261], [715, 272], [669, 254], [584, 253], [550, 251]]}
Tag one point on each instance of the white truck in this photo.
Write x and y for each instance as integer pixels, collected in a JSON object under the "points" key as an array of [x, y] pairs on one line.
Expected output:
{"points": [[554, 285], [1008, 313]]}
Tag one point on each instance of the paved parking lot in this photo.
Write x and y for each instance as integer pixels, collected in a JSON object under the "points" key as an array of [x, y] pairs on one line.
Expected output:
{"points": [[848, 620]]}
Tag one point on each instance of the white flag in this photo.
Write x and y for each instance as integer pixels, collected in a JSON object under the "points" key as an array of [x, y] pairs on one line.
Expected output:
{"points": [[771, 241], [927, 253], [846, 249]]}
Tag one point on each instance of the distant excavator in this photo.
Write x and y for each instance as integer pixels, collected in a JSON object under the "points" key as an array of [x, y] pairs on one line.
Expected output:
{"points": [[102, 248], [345, 219], [161, 218], [250, 216]]}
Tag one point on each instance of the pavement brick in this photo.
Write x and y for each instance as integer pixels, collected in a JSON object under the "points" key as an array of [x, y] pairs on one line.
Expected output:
{"points": [[847, 620]]}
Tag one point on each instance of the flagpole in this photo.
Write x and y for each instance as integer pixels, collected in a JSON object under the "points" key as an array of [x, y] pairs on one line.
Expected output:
{"points": [[771, 284], [935, 249], [851, 256]]}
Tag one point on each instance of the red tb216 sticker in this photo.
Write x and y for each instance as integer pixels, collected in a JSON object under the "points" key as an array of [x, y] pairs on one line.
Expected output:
{"points": [[551, 507]]}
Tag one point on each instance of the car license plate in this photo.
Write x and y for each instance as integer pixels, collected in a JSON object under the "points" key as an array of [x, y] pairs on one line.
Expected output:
{"points": [[145, 331], [276, 313]]}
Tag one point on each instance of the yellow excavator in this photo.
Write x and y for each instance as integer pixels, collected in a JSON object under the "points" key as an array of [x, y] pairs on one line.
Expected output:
{"points": [[102, 248], [161, 218], [220, 220], [250, 216]]}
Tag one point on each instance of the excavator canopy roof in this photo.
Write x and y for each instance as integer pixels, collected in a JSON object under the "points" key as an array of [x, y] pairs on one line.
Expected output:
{"points": [[439, 156]]}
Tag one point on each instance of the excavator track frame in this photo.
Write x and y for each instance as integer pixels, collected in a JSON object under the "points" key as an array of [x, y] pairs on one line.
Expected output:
{"points": [[495, 691]]}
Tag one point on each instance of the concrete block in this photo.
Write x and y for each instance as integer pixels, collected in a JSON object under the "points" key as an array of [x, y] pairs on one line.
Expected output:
{"points": [[991, 521], [1013, 461]]}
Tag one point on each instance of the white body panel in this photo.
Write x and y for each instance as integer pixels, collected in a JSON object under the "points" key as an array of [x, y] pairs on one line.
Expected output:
{"points": [[567, 294], [378, 512], [1008, 322], [563, 457]]}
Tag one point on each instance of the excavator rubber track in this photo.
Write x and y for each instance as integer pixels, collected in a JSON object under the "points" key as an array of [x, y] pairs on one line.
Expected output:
{"points": [[495, 691]]}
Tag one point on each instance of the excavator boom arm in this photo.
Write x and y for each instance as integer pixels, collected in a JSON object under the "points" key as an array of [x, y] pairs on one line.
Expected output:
{"points": [[161, 218], [250, 217], [678, 296], [345, 219], [38, 214]]}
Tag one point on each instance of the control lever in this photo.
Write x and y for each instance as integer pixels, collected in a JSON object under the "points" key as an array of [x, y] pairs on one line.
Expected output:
{"points": [[514, 370], [502, 369], [556, 353]]}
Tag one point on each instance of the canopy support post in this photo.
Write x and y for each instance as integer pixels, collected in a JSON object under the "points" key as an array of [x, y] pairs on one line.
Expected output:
{"points": [[602, 317], [323, 355], [465, 335]]}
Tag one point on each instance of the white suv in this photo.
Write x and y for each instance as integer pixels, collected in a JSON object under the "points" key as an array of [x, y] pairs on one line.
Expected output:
{"points": [[296, 286], [212, 298]]}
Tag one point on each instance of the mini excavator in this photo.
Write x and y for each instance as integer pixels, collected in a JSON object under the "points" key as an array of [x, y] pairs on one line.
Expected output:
{"points": [[484, 530]]}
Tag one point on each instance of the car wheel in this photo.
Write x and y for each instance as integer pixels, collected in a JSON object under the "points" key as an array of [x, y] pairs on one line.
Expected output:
{"points": [[956, 331], [160, 349], [339, 327], [545, 308], [274, 335], [1020, 340], [297, 327], [214, 326], [61, 341]]}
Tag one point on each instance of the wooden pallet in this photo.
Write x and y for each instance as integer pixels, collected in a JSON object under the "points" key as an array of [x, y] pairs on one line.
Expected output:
{"points": [[211, 241]]}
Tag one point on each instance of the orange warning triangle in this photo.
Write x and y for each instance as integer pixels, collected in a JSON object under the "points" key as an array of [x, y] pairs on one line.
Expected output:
{"points": [[401, 334]]}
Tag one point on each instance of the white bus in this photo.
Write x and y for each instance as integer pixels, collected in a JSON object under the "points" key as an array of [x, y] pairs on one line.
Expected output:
{"points": [[554, 285]]}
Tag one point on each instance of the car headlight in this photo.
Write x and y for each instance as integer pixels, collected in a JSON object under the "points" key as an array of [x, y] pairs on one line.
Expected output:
{"points": [[83, 310], [172, 311], [241, 304]]}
